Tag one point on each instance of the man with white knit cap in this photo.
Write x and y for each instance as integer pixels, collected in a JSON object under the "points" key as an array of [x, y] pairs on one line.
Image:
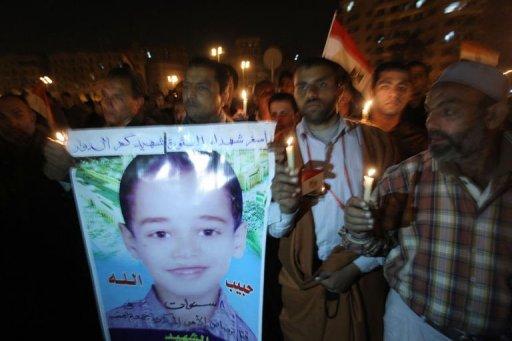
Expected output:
{"points": [[446, 217]]}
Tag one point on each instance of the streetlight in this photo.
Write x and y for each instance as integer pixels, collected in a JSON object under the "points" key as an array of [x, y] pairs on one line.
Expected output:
{"points": [[244, 65], [216, 52], [46, 80], [173, 79]]}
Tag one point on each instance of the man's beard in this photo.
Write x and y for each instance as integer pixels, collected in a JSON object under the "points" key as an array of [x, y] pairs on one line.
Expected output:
{"points": [[457, 147], [321, 116]]}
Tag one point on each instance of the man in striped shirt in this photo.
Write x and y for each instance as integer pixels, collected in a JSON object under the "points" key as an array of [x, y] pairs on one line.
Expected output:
{"points": [[446, 217]]}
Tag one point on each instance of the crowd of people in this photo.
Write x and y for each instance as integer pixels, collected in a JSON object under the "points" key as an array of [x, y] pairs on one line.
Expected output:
{"points": [[427, 257]]}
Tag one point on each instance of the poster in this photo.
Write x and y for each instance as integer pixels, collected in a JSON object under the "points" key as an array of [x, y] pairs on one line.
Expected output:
{"points": [[174, 221]]}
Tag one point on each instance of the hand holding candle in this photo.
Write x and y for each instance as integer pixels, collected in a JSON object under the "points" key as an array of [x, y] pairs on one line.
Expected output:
{"points": [[368, 182], [366, 110], [60, 138], [290, 156]]}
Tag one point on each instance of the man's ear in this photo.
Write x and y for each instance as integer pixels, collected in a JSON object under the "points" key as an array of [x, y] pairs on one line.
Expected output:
{"points": [[495, 115], [240, 240], [129, 240]]}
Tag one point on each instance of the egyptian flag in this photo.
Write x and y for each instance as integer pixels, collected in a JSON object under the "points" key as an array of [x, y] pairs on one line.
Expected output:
{"points": [[340, 48]]}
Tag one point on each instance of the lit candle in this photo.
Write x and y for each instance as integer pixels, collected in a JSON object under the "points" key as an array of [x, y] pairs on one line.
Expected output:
{"points": [[368, 182], [366, 110], [290, 156], [244, 99], [60, 138]]}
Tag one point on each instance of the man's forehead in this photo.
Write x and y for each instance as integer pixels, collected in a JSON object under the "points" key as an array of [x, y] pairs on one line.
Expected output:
{"points": [[315, 72], [199, 74], [393, 76], [280, 105]]}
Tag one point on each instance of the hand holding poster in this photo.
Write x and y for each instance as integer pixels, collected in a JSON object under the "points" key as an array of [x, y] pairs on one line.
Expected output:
{"points": [[175, 235]]}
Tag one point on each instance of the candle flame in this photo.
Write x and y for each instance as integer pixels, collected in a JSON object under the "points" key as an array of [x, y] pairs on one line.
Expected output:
{"points": [[244, 95], [367, 106], [371, 172], [289, 141], [60, 137]]}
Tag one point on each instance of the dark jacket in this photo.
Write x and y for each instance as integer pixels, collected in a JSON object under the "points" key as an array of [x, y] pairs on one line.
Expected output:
{"points": [[45, 270]]}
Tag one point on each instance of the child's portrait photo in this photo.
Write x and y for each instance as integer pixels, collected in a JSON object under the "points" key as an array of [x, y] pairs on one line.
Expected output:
{"points": [[183, 220]]}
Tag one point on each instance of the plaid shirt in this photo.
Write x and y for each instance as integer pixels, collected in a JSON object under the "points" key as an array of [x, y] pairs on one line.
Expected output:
{"points": [[453, 265]]}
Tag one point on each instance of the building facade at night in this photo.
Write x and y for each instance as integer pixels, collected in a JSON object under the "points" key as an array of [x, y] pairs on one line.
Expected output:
{"points": [[427, 30], [77, 72]]}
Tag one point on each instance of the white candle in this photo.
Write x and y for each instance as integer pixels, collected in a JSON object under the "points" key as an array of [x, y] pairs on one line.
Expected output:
{"points": [[368, 182], [290, 156], [366, 110], [244, 99], [60, 137]]}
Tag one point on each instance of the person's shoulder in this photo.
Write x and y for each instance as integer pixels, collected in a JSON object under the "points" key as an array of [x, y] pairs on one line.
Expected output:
{"points": [[369, 130], [409, 166], [243, 330], [127, 312], [131, 307], [407, 129], [366, 125]]}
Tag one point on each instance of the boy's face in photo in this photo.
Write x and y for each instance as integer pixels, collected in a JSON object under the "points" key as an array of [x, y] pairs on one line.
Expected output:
{"points": [[184, 234]]}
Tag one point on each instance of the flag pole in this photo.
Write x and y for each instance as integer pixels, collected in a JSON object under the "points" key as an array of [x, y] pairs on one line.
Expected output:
{"points": [[330, 29]]}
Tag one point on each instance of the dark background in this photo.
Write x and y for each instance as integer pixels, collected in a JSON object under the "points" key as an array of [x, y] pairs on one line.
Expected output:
{"points": [[50, 26]]}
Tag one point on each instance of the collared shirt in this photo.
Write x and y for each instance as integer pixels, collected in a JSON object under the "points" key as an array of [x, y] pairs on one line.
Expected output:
{"points": [[327, 214], [150, 313], [453, 265]]}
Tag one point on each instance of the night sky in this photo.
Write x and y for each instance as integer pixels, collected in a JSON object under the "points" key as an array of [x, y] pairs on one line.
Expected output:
{"points": [[49, 26]]}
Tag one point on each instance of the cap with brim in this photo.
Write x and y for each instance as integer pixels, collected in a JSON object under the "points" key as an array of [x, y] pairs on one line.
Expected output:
{"points": [[484, 78]]}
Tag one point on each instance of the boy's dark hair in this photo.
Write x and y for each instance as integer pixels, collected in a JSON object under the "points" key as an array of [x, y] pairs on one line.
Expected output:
{"points": [[340, 74], [148, 166], [125, 73], [387, 66], [220, 71], [415, 63], [283, 96]]}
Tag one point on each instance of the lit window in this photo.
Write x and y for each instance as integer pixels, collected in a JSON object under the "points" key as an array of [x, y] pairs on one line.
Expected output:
{"points": [[420, 3], [454, 6], [350, 5], [449, 36]]}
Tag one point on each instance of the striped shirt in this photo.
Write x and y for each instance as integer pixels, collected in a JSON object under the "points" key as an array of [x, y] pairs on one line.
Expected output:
{"points": [[453, 265]]}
